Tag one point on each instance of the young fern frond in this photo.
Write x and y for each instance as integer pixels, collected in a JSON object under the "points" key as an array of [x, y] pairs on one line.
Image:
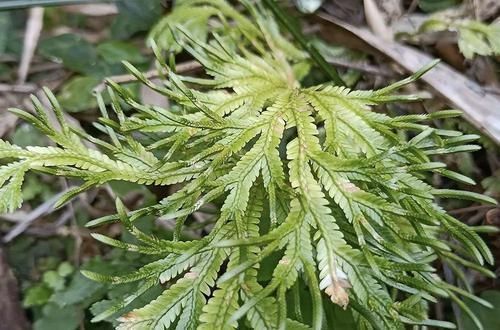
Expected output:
{"points": [[309, 176]]}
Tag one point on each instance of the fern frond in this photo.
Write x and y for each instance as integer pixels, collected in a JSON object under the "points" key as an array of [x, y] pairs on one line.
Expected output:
{"points": [[311, 182]]}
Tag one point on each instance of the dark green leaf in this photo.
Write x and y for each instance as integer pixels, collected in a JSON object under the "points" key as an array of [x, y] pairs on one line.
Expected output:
{"points": [[27, 135], [57, 318], [435, 5], [37, 295], [74, 51], [76, 95], [135, 16], [77, 291], [115, 51], [4, 27]]}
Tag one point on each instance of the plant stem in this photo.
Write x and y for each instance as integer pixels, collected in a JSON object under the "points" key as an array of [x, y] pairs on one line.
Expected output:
{"points": [[307, 45]]}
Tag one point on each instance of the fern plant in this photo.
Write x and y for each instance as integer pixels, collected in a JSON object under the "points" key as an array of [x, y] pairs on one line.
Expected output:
{"points": [[313, 185]]}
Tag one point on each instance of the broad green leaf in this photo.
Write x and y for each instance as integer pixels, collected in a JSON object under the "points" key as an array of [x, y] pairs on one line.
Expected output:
{"points": [[65, 269], [115, 51], [26, 135], [56, 318], [54, 280], [72, 50], [37, 295], [76, 95], [78, 290]]}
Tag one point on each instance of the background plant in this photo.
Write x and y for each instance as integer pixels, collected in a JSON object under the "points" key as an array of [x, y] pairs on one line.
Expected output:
{"points": [[474, 38]]}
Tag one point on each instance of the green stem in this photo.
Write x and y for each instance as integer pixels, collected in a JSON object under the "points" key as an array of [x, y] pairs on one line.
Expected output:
{"points": [[296, 301], [306, 45], [317, 303]]}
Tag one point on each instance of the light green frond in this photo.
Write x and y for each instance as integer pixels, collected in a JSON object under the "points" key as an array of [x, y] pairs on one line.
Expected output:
{"points": [[220, 307], [161, 312]]}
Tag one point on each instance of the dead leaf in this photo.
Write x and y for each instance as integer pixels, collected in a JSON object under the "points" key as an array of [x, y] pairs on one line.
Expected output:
{"points": [[337, 291], [450, 53], [23, 89]]}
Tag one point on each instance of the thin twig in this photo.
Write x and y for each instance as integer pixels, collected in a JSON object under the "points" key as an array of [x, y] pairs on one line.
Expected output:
{"points": [[360, 66], [43, 67], [31, 36], [475, 219], [15, 217], [412, 7], [470, 209], [6, 58], [44, 209], [22, 88]]}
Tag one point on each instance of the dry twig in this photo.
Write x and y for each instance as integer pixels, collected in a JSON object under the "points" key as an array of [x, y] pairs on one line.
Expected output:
{"points": [[31, 36], [44, 209], [20, 88]]}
